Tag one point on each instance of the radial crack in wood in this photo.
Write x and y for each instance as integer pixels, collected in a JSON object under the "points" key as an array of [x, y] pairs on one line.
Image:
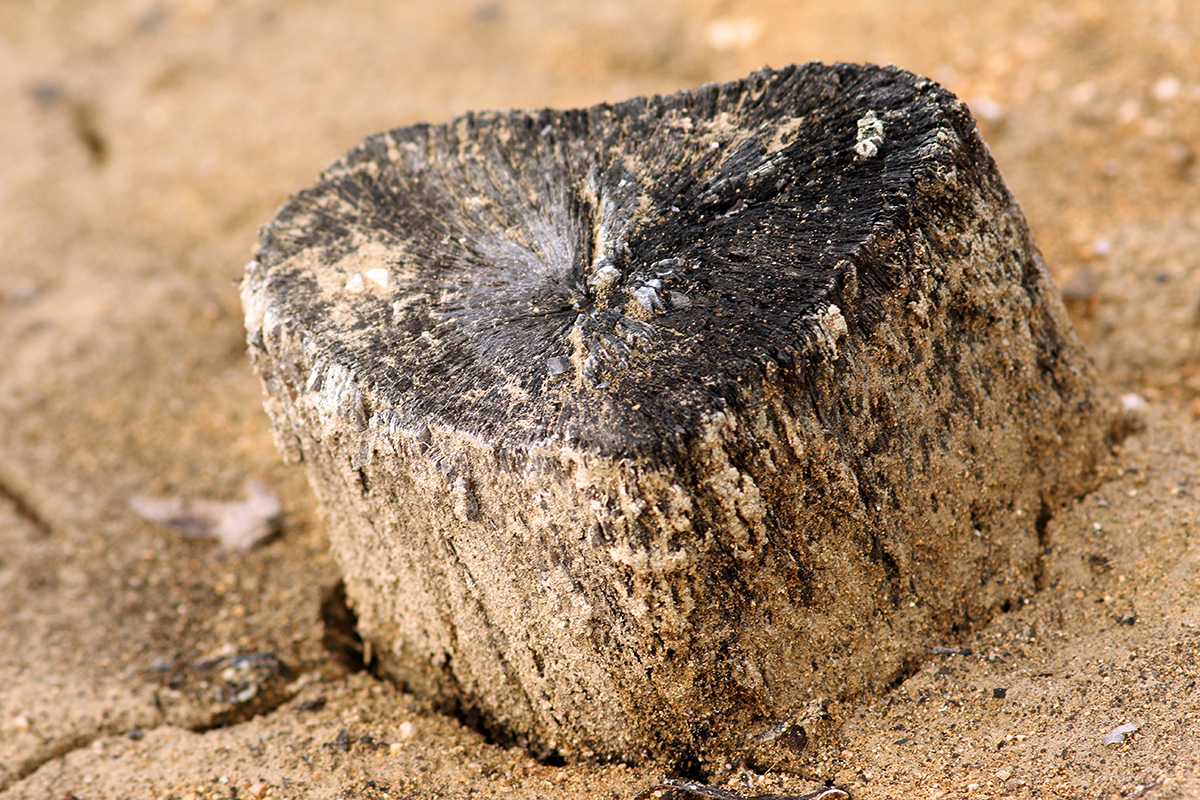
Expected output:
{"points": [[644, 428]]}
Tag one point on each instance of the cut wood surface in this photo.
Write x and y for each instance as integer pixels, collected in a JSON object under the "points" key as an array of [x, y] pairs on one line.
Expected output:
{"points": [[647, 429]]}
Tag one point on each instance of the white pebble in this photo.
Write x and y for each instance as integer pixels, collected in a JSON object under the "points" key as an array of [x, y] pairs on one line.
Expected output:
{"points": [[604, 278], [647, 298], [378, 276], [987, 109], [732, 33], [355, 284], [1134, 402], [1167, 88]]}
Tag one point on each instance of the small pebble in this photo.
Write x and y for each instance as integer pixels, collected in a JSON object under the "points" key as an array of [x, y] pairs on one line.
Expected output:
{"points": [[1134, 402], [647, 298], [987, 109], [604, 278], [1167, 88], [732, 33], [407, 732]]}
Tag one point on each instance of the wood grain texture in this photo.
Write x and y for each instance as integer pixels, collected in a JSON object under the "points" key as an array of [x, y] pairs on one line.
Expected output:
{"points": [[644, 429]]}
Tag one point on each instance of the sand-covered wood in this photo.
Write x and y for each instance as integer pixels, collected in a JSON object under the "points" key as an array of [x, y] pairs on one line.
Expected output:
{"points": [[644, 429]]}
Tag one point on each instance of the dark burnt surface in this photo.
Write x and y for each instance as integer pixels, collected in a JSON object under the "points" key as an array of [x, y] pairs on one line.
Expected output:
{"points": [[608, 277]]}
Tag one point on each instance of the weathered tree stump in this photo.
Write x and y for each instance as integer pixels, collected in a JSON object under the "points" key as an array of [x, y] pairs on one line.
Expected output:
{"points": [[641, 428]]}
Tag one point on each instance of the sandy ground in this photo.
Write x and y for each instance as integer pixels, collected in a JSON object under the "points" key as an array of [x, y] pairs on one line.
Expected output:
{"points": [[142, 143]]}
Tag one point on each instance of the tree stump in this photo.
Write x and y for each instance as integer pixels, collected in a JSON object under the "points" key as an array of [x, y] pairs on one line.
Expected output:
{"points": [[640, 429]]}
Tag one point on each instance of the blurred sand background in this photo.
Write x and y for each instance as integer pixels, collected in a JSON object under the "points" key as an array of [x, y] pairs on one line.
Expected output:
{"points": [[141, 145]]}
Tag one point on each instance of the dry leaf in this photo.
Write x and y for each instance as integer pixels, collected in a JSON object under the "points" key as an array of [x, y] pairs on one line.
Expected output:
{"points": [[237, 525], [1117, 734]]}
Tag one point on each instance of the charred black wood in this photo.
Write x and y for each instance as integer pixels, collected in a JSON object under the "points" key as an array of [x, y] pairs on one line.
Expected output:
{"points": [[643, 428]]}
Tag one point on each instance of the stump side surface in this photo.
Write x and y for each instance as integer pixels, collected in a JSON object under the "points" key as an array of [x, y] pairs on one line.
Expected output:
{"points": [[788, 488]]}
